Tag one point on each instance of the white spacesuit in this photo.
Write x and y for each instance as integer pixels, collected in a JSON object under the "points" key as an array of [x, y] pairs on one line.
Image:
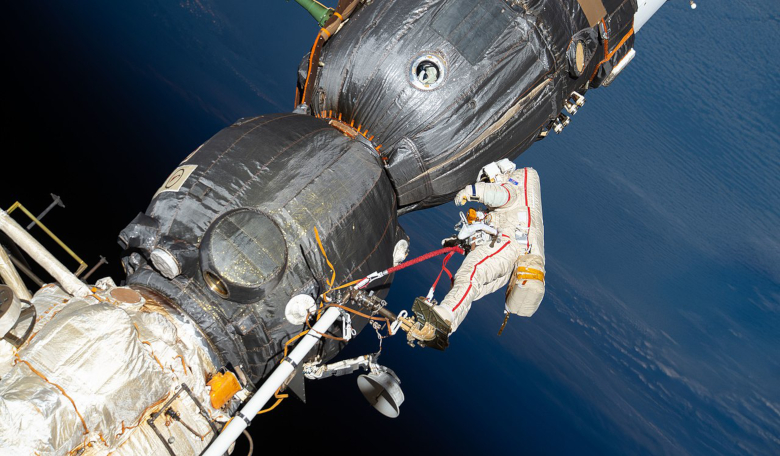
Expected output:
{"points": [[508, 245]]}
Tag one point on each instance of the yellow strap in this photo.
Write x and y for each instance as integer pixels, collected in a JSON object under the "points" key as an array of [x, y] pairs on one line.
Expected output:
{"points": [[524, 273]]}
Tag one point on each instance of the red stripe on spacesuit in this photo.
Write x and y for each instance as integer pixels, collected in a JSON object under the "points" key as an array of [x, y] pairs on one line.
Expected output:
{"points": [[525, 189], [528, 236], [508, 195], [475, 271], [464, 297]]}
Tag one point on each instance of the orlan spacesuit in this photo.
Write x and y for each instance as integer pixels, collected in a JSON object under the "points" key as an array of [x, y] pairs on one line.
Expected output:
{"points": [[507, 247]]}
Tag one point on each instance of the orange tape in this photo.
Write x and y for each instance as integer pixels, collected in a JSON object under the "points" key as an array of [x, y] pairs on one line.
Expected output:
{"points": [[153, 355], [609, 55], [311, 59], [183, 365], [83, 423]]}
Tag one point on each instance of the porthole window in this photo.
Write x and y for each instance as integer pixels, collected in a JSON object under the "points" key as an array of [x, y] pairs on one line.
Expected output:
{"points": [[581, 50], [427, 71], [579, 58], [243, 255]]}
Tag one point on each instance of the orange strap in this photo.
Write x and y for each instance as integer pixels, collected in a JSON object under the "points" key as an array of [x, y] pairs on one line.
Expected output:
{"points": [[279, 399], [322, 249], [311, 66], [620, 44], [609, 55]]}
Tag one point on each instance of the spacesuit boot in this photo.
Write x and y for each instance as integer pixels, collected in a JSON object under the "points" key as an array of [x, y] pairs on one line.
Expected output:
{"points": [[435, 327]]}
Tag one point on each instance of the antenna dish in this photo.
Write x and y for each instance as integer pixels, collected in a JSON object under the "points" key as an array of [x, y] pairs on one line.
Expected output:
{"points": [[383, 392]]}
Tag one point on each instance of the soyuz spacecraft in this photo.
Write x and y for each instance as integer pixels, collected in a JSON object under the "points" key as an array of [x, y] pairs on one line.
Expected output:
{"points": [[233, 271]]}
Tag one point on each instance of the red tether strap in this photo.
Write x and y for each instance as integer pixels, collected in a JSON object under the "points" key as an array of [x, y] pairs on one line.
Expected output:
{"points": [[443, 269], [362, 283], [427, 256]]}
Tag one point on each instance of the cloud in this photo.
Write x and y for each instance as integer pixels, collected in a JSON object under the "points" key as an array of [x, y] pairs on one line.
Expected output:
{"points": [[662, 392]]}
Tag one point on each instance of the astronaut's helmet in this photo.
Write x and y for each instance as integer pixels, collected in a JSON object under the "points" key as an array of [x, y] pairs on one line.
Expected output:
{"points": [[497, 171]]}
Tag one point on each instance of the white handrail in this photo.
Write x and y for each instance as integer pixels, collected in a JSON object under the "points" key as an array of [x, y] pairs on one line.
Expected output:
{"points": [[243, 417], [37, 252]]}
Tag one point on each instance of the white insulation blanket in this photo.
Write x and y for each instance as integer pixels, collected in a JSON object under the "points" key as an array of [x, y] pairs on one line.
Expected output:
{"points": [[92, 373]]}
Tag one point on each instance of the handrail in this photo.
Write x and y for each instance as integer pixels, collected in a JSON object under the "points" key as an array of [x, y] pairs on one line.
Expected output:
{"points": [[82, 264]]}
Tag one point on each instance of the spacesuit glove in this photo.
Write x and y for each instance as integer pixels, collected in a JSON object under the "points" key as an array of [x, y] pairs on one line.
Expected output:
{"points": [[451, 241], [462, 197]]}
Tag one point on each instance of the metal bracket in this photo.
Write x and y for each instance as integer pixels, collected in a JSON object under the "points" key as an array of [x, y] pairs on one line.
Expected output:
{"points": [[164, 408], [560, 123], [347, 332], [574, 103], [314, 371], [397, 323]]}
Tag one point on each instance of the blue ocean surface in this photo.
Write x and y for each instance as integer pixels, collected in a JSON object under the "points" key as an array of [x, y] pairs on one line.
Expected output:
{"points": [[660, 329]]}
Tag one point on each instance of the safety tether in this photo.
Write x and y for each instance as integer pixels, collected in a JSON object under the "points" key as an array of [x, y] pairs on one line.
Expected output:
{"points": [[379, 274], [443, 269]]}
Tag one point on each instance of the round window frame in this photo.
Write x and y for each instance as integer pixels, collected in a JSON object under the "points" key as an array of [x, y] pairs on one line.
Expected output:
{"points": [[438, 61], [214, 280]]}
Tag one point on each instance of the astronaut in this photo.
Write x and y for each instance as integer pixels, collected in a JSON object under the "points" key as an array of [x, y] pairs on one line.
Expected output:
{"points": [[507, 245]]}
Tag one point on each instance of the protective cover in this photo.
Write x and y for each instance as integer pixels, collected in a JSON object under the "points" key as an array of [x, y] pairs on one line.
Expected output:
{"points": [[501, 75], [239, 217], [617, 32], [94, 370]]}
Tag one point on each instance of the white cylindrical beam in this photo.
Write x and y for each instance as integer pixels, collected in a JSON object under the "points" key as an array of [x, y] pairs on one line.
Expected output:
{"points": [[10, 314], [644, 11], [241, 420], [11, 276], [37, 252]]}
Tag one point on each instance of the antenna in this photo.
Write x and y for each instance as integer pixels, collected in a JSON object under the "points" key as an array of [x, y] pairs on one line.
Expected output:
{"points": [[57, 202]]}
